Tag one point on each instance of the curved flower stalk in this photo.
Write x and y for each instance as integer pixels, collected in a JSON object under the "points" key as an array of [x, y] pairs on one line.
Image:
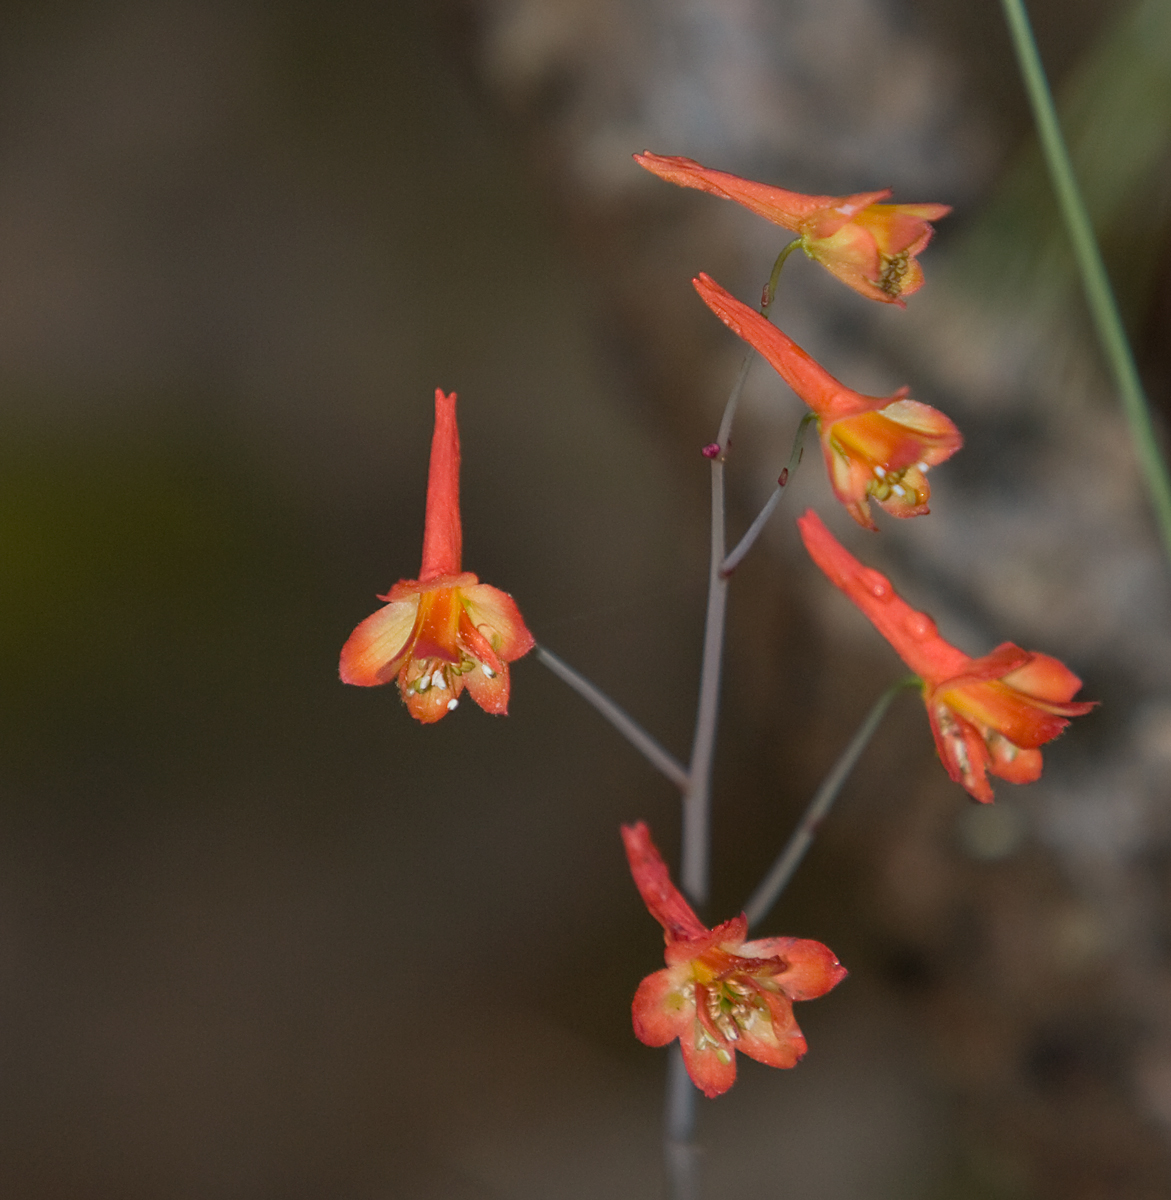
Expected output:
{"points": [[719, 993], [445, 630], [874, 446], [869, 246], [987, 714]]}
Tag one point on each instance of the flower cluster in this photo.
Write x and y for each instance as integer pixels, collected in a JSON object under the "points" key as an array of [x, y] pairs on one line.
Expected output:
{"points": [[445, 632], [990, 714]]}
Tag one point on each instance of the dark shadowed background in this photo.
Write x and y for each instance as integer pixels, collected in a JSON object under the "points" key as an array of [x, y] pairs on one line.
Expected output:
{"points": [[264, 937]]}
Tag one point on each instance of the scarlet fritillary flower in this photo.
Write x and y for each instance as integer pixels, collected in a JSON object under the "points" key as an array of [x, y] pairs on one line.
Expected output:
{"points": [[987, 714], [870, 247], [876, 447], [445, 630], [718, 993]]}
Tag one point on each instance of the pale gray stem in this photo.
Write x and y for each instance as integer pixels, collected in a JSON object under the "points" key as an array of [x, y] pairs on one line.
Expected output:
{"points": [[754, 530], [789, 859], [680, 1152], [634, 733], [697, 797]]}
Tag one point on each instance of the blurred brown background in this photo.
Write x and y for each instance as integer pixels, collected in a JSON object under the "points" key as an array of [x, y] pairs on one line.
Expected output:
{"points": [[261, 935]]}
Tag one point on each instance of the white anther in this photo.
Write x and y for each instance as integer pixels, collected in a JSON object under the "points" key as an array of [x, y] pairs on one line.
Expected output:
{"points": [[880, 472], [438, 681], [899, 490], [453, 703], [487, 670], [922, 467]]}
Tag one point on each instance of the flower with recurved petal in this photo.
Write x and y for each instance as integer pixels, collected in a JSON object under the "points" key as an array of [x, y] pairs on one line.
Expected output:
{"points": [[718, 993], [870, 247], [876, 447], [987, 714], [445, 630]]}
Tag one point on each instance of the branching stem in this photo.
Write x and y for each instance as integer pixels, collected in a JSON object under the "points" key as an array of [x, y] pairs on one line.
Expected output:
{"points": [[789, 859], [757, 527], [634, 733]]}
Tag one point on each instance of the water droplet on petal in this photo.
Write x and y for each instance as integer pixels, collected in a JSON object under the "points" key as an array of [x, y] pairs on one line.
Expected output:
{"points": [[876, 584]]}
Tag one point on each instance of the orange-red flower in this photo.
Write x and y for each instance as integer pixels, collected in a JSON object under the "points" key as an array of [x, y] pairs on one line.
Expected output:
{"points": [[874, 446], [718, 993], [871, 247], [445, 630], [987, 714]]}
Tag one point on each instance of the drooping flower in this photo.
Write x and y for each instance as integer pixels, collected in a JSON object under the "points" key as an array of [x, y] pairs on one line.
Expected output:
{"points": [[445, 630], [719, 993], [869, 246], [874, 446], [987, 714]]}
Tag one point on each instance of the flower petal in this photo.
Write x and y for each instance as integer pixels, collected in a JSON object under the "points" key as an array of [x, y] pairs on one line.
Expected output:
{"points": [[495, 614], [1012, 763], [851, 256], [430, 689], [377, 648], [1046, 679], [811, 969], [712, 1067], [995, 705], [962, 750], [661, 1012], [490, 692], [773, 1037]]}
